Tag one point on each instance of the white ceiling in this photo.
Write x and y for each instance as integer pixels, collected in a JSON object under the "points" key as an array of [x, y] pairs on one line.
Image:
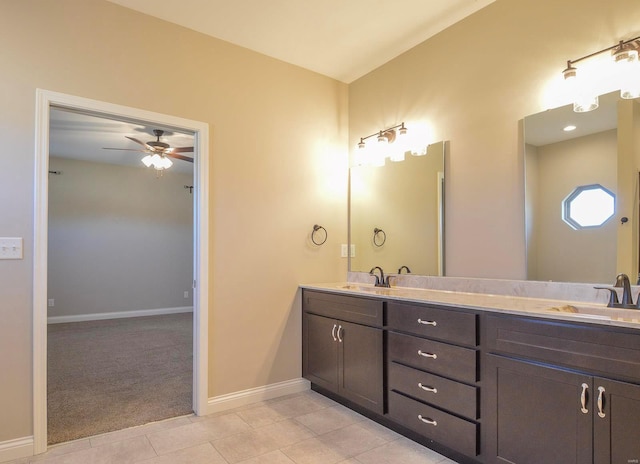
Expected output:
{"points": [[342, 39]]}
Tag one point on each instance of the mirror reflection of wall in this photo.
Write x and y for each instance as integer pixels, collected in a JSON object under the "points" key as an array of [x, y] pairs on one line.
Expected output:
{"points": [[558, 162], [405, 200]]}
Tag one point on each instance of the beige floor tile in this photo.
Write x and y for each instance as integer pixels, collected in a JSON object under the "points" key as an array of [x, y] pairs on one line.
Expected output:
{"points": [[228, 411], [59, 450], [328, 419], [297, 406], [245, 445], [260, 416], [121, 452], [312, 451], [352, 440], [275, 457], [200, 454], [287, 432], [137, 431], [166, 441], [380, 430], [400, 451]]}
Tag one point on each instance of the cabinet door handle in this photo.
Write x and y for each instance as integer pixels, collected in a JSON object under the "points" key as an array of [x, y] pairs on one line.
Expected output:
{"points": [[427, 355], [583, 399], [427, 421], [601, 402], [428, 389], [433, 323], [340, 333], [333, 333]]}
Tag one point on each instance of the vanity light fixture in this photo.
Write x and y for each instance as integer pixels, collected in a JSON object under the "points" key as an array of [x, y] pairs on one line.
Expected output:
{"points": [[625, 57], [569, 128], [392, 143]]}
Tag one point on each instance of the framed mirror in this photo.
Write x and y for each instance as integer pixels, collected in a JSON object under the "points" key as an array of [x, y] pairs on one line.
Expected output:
{"points": [[572, 161], [396, 214]]}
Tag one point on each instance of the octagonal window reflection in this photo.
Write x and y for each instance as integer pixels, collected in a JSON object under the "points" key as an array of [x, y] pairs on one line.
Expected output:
{"points": [[588, 206]]}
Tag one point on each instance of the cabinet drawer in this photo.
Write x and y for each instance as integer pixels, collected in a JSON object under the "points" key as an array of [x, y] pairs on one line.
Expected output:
{"points": [[444, 393], [436, 357], [427, 321], [456, 433], [353, 309], [597, 349]]}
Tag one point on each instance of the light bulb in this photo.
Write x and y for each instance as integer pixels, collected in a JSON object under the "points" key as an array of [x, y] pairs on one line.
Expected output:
{"points": [[147, 160]]}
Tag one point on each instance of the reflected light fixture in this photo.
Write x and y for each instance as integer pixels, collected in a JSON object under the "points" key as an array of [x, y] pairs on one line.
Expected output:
{"points": [[569, 128], [392, 143], [625, 58], [159, 162]]}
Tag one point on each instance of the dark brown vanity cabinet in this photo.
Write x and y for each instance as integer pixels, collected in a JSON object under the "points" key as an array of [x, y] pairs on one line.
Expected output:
{"points": [[560, 393], [433, 372], [343, 346]]}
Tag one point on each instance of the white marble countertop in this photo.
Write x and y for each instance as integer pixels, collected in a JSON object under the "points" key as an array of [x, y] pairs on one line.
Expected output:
{"points": [[552, 309]]}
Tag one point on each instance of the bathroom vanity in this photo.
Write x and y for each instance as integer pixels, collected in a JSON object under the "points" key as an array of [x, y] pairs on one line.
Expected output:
{"points": [[480, 378]]}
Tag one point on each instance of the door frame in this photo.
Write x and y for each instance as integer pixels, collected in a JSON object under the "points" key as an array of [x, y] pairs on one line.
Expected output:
{"points": [[44, 101]]}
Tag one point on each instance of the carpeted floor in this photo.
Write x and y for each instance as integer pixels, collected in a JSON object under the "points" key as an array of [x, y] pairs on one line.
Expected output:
{"points": [[118, 373]]}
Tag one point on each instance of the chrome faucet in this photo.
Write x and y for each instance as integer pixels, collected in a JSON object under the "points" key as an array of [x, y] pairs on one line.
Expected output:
{"points": [[380, 281], [406, 268], [622, 281]]}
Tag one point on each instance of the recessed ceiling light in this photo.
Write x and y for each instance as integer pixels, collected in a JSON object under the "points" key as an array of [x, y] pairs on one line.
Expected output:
{"points": [[569, 128]]}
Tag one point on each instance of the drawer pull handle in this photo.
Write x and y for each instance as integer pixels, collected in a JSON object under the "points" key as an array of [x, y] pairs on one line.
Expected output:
{"points": [[428, 389], [427, 421], [333, 333], [600, 402], [433, 323], [339, 333], [583, 399], [427, 355]]}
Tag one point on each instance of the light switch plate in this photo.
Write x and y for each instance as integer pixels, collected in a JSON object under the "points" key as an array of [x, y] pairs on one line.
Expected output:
{"points": [[344, 250], [10, 247]]}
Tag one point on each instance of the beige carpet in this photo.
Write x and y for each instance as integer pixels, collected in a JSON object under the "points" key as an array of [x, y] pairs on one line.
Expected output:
{"points": [[118, 373]]}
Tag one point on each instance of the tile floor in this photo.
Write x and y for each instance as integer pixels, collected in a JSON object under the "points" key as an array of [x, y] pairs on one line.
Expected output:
{"points": [[305, 428]]}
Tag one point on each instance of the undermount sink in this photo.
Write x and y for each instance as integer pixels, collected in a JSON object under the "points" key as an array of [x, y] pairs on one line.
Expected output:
{"points": [[630, 315], [367, 288]]}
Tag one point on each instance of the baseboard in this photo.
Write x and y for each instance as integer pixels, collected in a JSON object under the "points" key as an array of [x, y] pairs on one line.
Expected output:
{"points": [[119, 314], [16, 449], [253, 395]]}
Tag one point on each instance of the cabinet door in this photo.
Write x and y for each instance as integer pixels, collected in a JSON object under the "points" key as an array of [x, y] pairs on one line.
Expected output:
{"points": [[320, 351], [534, 414], [361, 366], [615, 419]]}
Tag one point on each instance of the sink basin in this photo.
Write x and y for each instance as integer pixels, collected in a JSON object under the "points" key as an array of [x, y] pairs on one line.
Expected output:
{"points": [[628, 315]]}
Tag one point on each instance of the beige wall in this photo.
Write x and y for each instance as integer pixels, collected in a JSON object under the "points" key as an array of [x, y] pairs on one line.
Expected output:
{"points": [[120, 238], [471, 84], [558, 252], [278, 165]]}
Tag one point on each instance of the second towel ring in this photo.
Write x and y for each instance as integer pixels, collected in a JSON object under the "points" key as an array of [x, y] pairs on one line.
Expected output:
{"points": [[377, 232], [316, 228]]}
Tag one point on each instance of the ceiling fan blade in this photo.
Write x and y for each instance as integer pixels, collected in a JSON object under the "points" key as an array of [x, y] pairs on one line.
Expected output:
{"points": [[147, 147], [181, 150], [180, 157], [125, 149]]}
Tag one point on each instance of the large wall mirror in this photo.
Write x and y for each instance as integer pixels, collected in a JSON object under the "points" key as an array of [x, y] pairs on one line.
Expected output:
{"points": [[397, 214], [572, 161]]}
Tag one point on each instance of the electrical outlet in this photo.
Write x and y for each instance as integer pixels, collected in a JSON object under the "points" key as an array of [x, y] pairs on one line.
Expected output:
{"points": [[186, 294], [51, 302], [344, 250]]}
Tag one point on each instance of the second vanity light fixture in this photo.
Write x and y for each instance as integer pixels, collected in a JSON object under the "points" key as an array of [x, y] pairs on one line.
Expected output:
{"points": [[627, 64], [392, 143]]}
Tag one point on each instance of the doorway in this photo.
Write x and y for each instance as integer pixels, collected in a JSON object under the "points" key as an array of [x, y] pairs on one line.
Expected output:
{"points": [[45, 101]]}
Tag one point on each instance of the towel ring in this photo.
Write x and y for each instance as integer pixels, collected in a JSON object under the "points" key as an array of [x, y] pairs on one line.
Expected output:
{"points": [[377, 232], [316, 228]]}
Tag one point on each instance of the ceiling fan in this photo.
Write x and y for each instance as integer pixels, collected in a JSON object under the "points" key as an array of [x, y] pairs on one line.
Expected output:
{"points": [[158, 153]]}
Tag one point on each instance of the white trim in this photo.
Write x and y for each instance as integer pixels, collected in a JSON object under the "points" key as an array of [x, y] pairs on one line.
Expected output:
{"points": [[119, 314], [44, 100], [16, 449], [253, 395]]}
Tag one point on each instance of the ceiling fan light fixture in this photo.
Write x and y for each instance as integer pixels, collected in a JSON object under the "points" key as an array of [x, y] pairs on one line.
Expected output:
{"points": [[147, 160]]}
